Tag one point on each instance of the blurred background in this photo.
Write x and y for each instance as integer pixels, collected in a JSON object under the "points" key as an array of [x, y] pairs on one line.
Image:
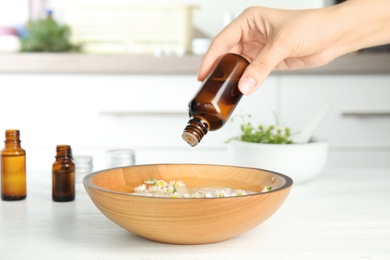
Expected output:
{"points": [[101, 75], [208, 17]]}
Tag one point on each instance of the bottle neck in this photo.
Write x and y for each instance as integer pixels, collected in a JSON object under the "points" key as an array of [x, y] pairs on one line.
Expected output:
{"points": [[194, 131], [12, 138], [64, 151]]}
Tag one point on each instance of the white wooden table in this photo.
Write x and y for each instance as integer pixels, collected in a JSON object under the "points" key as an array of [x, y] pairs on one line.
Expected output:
{"points": [[343, 214]]}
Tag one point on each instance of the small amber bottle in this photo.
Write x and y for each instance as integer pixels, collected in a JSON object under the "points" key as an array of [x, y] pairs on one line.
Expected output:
{"points": [[63, 175], [13, 168], [218, 96]]}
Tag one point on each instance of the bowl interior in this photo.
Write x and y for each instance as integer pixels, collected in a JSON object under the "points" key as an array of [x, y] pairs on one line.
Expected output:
{"points": [[125, 179]]}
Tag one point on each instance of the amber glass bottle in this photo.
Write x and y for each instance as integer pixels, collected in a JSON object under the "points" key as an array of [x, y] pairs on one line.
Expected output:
{"points": [[218, 96], [63, 175], [13, 168]]}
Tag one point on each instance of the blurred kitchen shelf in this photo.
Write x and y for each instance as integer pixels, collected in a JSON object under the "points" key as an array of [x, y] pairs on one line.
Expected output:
{"points": [[96, 64], [357, 63]]}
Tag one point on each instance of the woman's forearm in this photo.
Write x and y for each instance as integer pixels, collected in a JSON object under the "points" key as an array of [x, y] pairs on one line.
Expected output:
{"points": [[364, 23]]}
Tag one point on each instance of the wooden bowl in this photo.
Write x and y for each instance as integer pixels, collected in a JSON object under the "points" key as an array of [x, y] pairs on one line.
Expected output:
{"points": [[187, 220]]}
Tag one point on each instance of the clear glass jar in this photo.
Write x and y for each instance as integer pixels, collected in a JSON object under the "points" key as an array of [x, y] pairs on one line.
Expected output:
{"points": [[83, 166], [120, 157]]}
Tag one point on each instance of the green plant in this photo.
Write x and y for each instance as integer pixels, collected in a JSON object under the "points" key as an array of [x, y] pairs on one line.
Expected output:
{"points": [[46, 35], [272, 134]]}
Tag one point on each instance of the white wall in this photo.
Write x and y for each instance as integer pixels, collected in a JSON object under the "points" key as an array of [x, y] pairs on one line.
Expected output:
{"points": [[208, 17]]}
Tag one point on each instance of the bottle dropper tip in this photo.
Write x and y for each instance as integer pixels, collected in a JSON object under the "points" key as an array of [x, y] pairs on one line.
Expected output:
{"points": [[190, 139]]}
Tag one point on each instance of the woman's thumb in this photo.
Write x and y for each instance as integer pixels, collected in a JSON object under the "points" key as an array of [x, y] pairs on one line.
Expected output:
{"points": [[258, 70]]}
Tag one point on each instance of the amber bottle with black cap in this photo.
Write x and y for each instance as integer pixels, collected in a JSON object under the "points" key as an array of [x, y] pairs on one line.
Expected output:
{"points": [[63, 175], [13, 167], [217, 98]]}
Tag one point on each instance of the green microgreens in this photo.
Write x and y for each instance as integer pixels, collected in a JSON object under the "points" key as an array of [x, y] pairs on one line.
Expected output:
{"points": [[272, 134]]}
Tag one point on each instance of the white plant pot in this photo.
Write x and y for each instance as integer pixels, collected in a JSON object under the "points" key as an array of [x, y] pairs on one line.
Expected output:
{"points": [[301, 162]]}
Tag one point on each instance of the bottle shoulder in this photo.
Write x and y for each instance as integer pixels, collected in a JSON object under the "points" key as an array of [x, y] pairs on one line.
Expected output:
{"points": [[63, 168], [63, 162], [13, 151]]}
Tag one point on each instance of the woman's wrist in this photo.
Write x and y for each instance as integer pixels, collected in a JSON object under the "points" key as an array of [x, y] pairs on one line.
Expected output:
{"points": [[362, 24]]}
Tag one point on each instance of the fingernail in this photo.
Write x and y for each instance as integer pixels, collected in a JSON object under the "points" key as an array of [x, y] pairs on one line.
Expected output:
{"points": [[247, 85]]}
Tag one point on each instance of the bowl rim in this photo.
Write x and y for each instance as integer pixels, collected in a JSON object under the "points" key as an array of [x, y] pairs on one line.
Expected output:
{"points": [[87, 181]]}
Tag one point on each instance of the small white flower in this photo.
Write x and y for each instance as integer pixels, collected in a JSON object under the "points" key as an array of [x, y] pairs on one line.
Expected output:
{"points": [[186, 195], [239, 193], [175, 195], [266, 188], [161, 188], [221, 194], [208, 195], [153, 188], [139, 188], [150, 181], [196, 195]]}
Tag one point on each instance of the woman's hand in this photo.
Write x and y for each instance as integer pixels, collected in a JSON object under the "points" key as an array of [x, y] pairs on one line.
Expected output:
{"points": [[296, 39]]}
